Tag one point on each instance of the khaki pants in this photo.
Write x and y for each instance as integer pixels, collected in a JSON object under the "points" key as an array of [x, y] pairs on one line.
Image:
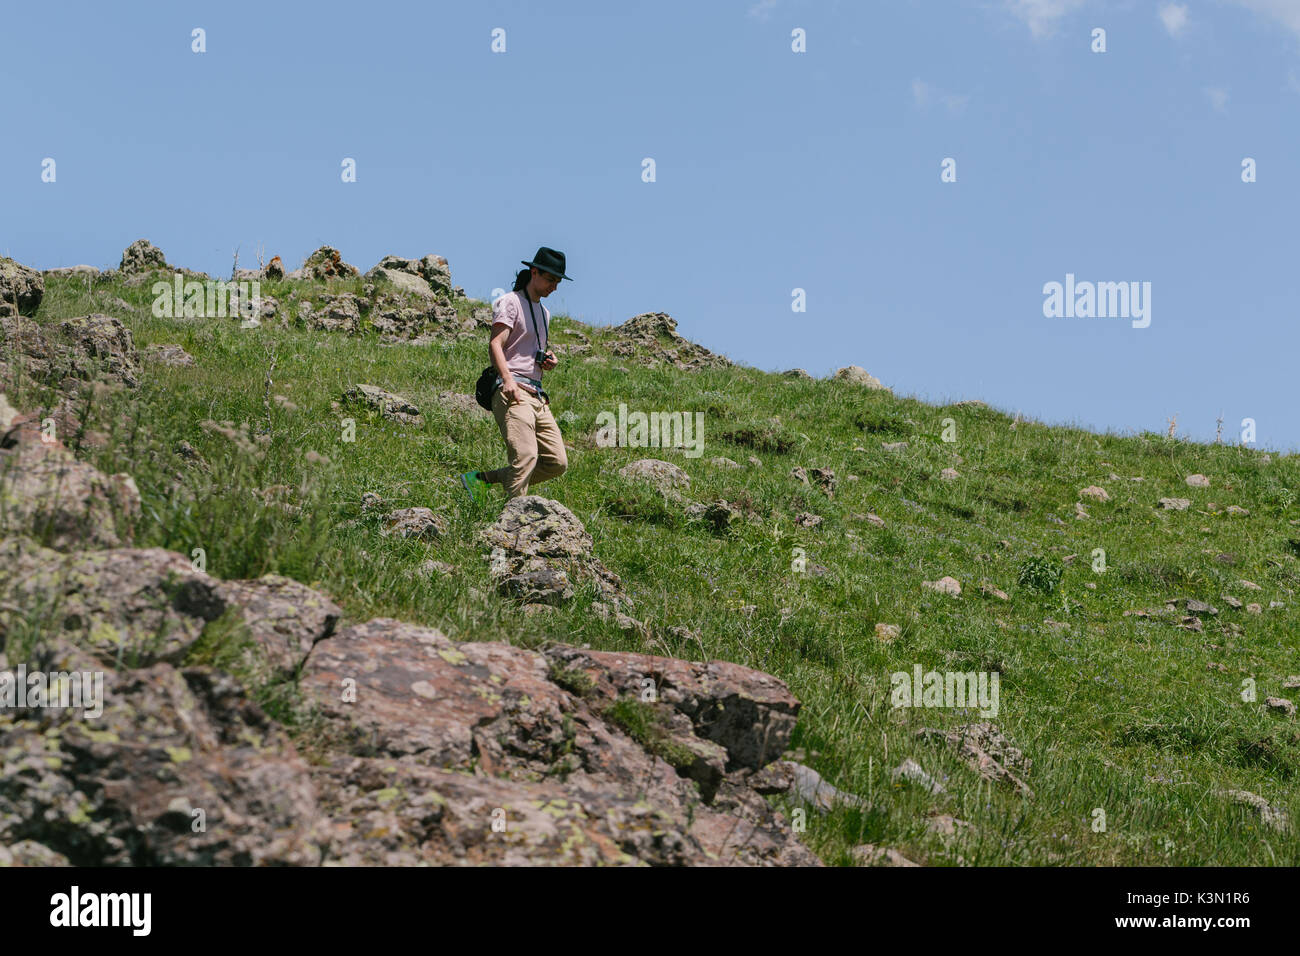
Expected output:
{"points": [[534, 445]]}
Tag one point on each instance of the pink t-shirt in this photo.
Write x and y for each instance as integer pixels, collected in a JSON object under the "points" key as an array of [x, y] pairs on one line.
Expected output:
{"points": [[512, 310]]}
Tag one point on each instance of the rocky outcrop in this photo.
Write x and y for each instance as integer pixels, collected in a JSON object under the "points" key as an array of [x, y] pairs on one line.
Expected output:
{"points": [[180, 769], [21, 288], [142, 256], [332, 313], [664, 475], [422, 749], [47, 494], [427, 277], [538, 547], [89, 348], [393, 407], [857, 375], [560, 778], [651, 338], [327, 263]]}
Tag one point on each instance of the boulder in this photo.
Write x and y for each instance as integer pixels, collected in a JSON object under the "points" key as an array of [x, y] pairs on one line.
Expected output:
{"points": [[49, 495], [100, 348], [170, 749], [419, 523], [552, 754], [857, 375], [391, 406], [664, 475], [21, 288], [142, 256], [536, 534], [332, 313], [651, 338], [987, 751], [327, 263], [173, 355]]}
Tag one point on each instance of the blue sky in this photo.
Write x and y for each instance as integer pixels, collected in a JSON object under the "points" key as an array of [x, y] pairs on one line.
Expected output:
{"points": [[774, 171]]}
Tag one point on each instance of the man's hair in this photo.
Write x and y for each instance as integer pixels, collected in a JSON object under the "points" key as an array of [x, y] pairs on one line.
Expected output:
{"points": [[521, 279]]}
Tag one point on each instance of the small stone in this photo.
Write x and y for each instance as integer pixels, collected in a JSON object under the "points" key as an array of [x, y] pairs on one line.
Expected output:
{"points": [[948, 474], [1281, 705], [946, 585], [887, 632], [870, 855], [913, 772], [945, 824], [1198, 481], [1175, 504], [1253, 608], [1095, 492]]}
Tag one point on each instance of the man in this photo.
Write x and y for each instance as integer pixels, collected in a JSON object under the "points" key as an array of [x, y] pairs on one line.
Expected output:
{"points": [[521, 407]]}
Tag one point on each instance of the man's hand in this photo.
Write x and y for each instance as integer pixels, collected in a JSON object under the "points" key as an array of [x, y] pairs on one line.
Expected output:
{"points": [[512, 392], [551, 361]]}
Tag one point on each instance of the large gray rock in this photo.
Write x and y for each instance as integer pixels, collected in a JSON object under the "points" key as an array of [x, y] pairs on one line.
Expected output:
{"points": [[327, 263], [47, 494], [142, 256], [536, 534], [664, 475], [180, 769], [101, 349], [651, 338], [332, 313], [21, 288], [392, 406], [406, 281], [135, 607], [428, 276], [857, 375], [417, 711]]}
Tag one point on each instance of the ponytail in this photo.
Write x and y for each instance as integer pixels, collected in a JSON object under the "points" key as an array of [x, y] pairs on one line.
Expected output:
{"points": [[521, 279]]}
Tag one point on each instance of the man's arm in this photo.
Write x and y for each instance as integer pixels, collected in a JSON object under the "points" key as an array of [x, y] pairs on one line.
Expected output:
{"points": [[496, 349]]}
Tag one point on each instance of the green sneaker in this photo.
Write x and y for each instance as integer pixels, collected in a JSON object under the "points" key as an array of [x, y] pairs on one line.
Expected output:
{"points": [[475, 485]]}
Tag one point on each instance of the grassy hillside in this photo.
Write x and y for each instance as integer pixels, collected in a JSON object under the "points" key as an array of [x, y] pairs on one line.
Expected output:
{"points": [[1136, 716]]}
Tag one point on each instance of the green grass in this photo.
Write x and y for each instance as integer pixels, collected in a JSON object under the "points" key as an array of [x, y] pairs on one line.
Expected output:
{"points": [[1118, 713]]}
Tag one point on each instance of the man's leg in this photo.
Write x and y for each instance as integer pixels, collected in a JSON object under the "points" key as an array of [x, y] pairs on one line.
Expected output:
{"points": [[552, 461], [516, 423]]}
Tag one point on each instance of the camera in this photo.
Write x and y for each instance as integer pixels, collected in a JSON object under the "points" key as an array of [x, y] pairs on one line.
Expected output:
{"points": [[540, 356]]}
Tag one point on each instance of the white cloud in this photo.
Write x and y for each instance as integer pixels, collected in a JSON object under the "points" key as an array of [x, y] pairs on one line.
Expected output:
{"points": [[1174, 17], [1041, 16], [763, 9], [1218, 98], [1285, 12], [923, 94]]}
